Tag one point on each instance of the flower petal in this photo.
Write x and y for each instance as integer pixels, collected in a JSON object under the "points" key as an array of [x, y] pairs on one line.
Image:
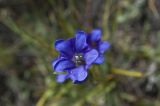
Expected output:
{"points": [[73, 78], [55, 61], [58, 41], [61, 77], [78, 74], [64, 46], [72, 43], [95, 35], [103, 46], [99, 60], [80, 41], [90, 56], [63, 64]]}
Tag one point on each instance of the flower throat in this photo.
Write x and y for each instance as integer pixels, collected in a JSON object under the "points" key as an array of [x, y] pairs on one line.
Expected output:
{"points": [[78, 59]]}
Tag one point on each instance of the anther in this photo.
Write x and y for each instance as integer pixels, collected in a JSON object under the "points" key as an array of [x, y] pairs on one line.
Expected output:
{"points": [[78, 59]]}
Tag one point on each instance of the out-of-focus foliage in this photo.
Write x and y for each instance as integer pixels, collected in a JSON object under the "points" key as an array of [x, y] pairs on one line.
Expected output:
{"points": [[129, 77]]}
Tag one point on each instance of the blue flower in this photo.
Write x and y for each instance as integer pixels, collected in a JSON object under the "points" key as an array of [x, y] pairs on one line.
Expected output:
{"points": [[74, 59], [95, 42]]}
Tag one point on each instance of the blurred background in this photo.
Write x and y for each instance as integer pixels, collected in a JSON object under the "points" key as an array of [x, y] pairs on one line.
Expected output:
{"points": [[130, 75]]}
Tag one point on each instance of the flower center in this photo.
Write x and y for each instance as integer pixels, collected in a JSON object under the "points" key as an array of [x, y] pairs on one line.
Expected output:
{"points": [[78, 59], [93, 44]]}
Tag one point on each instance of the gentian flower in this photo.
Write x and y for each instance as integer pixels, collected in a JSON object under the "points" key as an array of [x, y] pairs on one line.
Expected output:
{"points": [[74, 59], [94, 41]]}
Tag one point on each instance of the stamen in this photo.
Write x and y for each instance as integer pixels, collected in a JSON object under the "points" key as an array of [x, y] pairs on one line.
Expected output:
{"points": [[78, 59]]}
